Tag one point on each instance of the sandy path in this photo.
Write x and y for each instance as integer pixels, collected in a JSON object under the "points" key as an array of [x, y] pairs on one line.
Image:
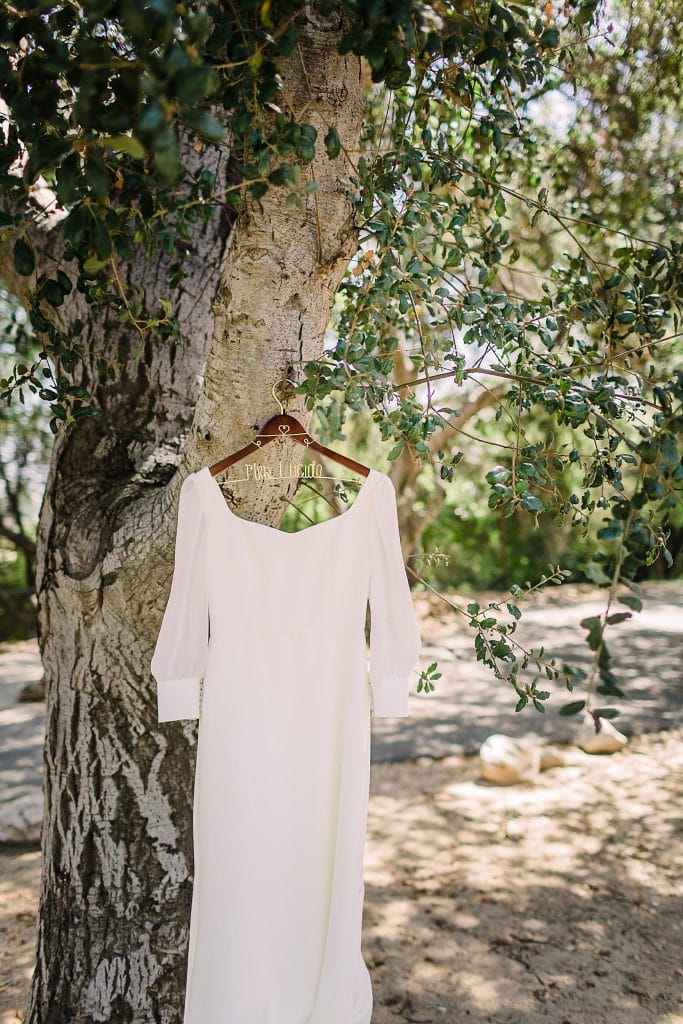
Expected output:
{"points": [[558, 902]]}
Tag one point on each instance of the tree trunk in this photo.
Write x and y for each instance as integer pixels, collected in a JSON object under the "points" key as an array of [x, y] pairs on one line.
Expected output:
{"points": [[117, 829]]}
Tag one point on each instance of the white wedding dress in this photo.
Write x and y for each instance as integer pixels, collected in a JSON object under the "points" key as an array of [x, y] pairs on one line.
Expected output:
{"points": [[283, 754]]}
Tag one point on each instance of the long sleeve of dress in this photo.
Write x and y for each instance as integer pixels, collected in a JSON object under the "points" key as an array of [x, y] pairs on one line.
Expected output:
{"points": [[395, 641], [179, 659]]}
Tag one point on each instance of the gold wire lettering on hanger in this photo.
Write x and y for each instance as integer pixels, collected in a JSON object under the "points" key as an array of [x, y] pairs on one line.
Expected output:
{"points": [[282, 471]]}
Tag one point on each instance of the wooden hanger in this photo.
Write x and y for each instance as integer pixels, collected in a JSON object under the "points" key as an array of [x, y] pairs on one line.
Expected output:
{"points": [[280, 427]]}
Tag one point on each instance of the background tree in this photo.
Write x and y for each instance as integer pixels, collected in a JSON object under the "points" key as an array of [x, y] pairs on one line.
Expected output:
{"points": [[25, 443], [183, 189]]}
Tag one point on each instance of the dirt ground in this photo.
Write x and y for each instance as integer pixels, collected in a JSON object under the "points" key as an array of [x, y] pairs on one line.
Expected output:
{"points": [[558, 901], [553, 902]]}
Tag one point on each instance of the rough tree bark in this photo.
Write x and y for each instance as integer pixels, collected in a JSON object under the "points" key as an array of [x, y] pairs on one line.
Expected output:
{"points": [[117, 830]]}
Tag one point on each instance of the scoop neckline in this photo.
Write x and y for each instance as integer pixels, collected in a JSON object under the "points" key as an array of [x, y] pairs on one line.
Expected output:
{"points": [[285, 533]]}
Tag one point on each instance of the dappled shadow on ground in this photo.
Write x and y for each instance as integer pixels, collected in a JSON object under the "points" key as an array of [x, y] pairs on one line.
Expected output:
{"points": [[557, 902], [469, 703], [19, 888], [552, 903]]}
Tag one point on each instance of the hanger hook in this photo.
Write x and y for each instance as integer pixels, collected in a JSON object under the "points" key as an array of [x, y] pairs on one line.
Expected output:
{"points": [[282, 380]]}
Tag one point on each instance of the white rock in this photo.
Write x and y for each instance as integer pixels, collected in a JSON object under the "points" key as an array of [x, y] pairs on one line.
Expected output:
{"points": [[21, 819], [505, 760], [606, 741], [552, 757]]}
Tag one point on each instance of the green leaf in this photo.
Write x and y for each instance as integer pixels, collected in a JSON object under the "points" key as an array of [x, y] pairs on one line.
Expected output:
{"points": [[586, 12], [96, 174], [572, 708], [205, 125], [101, 239], [332, 143], [68, 184], [594, 627], [166, 157], [597, 575], [617, 617], [92, 265], [53, 292], [498, 475], [123, 144], [550, 37], [151, 119], [611, 532], [24, 260], [305, 150]]}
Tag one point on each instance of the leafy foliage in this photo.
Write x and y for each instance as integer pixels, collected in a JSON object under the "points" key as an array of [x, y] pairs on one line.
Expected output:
{"points": [[448, 195], [493, 251]]}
